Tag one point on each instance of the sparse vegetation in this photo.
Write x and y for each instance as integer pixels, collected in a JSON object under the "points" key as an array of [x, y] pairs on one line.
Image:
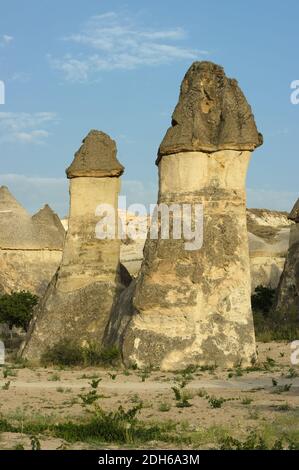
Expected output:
{"points": [[69, 353], [272, 325], [16, 309]]}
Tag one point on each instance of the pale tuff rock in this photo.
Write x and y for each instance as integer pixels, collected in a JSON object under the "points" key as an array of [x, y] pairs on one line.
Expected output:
{"points": [[268, 233], [79, 300], [294, 214], [30, 247], [288, 289], [194, 306]]}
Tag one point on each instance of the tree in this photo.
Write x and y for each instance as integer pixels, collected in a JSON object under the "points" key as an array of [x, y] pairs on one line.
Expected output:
{"points": [[16, 309]]}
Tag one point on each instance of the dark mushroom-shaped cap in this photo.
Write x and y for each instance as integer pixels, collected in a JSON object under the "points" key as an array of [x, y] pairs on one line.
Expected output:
{"points": [[96, 157], [212, 114]]}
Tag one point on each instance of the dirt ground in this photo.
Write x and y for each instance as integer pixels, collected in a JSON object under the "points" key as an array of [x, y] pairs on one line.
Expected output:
{"points": [[252, 398]]}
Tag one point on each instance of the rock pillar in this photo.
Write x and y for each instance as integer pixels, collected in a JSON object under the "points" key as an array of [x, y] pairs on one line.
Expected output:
{"points": [[80, 297], [193, 307]]}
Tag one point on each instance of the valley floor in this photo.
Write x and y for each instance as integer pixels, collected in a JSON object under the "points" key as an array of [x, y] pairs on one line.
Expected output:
{"points": [[196, 409]]}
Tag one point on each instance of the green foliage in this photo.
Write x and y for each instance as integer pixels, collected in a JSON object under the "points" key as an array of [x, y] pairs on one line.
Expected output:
{"points": [[246, 401], [252, 442], [18, 447], [6, 386], [182, 399], [16, 309], [164, 407], [89, 398], [275, 325], [68, 352], [35, 444], [216, 402], [291, 373], [263, 299]]}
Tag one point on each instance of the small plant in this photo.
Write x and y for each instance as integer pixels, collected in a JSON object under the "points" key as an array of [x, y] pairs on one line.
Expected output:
{"points": [[35, 443], [7, 372], [282, 388], [18, 447], [246, 401], [182, 399], [202, 393], [89, 398], [291, 373], [6, 386], [145, 374], [95, 383], [54, 378], [283, 407], [164, 407], [216, 402], [112, 376]]}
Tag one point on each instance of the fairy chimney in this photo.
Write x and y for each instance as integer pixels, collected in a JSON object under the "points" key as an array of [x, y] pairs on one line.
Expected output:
{"points": [[192, 305], [79, 299]]}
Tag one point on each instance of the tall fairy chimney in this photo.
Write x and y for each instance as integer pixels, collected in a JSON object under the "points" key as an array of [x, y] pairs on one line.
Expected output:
{"points": [[80, 297], [193, 306]]}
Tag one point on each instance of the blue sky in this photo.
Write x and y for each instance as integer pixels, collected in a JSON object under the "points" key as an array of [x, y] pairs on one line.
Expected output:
{"points": [[70, 66]]}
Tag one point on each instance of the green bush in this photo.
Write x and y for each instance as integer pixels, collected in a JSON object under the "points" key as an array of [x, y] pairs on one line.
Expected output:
{"points": [[263, 299], [16, 309], [68, 352], [270, 324]]}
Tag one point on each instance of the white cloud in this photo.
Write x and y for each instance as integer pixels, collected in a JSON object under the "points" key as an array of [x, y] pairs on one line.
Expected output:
{"points": [[5, 39], [111, 41], [25, 127], [21, 77]]}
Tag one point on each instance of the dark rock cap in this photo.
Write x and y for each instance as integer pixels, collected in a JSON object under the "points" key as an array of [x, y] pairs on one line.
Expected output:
{"points": [[294, 214], [96, 157], [212, 114]]}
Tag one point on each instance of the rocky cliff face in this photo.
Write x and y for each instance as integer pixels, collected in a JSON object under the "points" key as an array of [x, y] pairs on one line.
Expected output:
{"points": [[288, 290], [269, 233], [30, 247]]}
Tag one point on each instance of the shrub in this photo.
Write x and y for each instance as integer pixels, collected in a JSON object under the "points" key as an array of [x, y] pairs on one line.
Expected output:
{"points": [[65, 352], [68, 352], [272, 325], [16, 309], [263, 299]]}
